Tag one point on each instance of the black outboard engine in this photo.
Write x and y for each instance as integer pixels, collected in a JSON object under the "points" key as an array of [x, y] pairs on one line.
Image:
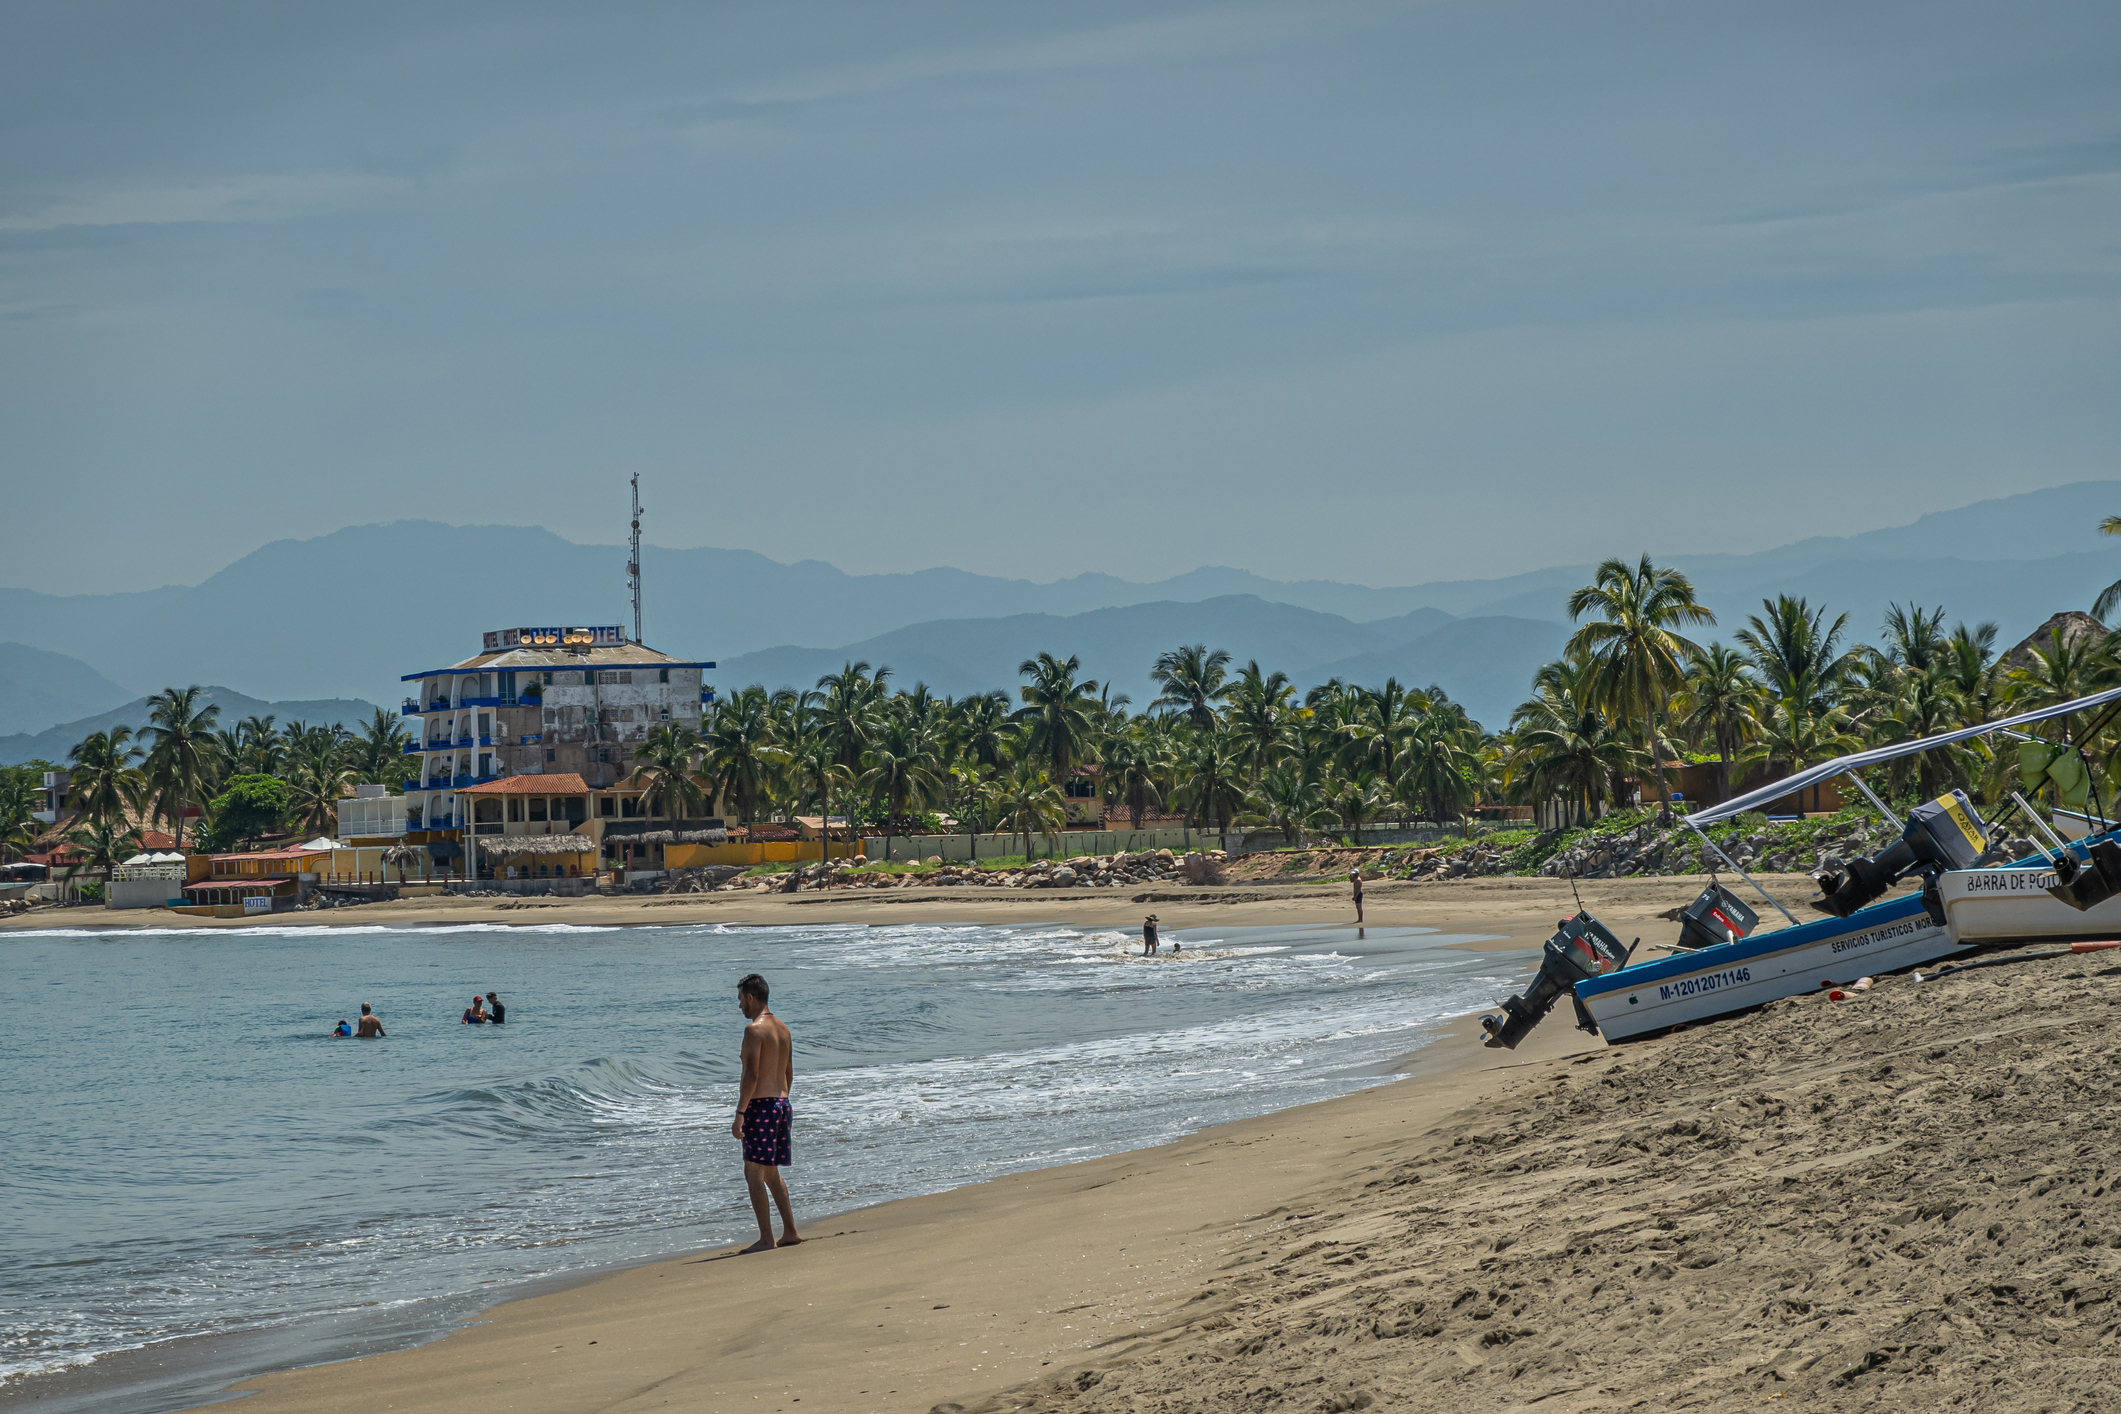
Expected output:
{"points": [[2083, 883], [1582, 948], [1945, 833], [1718, 916]]}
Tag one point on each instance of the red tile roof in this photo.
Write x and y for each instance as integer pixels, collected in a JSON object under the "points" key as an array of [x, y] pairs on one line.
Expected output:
{"points": [[558, 783]]}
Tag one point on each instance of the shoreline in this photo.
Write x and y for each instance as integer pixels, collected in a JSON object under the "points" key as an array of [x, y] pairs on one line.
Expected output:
{"points": [[1522, 911], [892, 1248], [239, 1360]]}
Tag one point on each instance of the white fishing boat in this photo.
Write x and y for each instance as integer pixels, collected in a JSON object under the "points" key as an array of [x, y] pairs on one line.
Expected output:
{"points": [[1959, 908], [1832, 952]]}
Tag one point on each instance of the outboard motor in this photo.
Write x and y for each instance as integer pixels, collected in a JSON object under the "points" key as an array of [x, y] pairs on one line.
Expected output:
{"points": [[2084, 883], [1583, 947], [1718, 916], [1945, 833]]}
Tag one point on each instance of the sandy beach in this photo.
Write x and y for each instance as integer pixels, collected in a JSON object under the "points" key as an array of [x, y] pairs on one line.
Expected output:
{"points": [[1900, 1200], [1521, 913]]}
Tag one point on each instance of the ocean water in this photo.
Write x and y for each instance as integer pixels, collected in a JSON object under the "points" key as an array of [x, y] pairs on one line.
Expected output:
{"points": [[190, 1155]]}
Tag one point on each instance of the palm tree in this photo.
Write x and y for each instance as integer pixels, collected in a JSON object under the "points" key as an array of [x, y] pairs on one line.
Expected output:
{"points": [[261, 749], [1211, 781], [1914, 638], [19, 826], [1641, 659], [2111, 595], [317, 780], [378, 754], [1358, 798], [1923, 704], [2063, 670], [1291, 801], [1439, 767], [182, 764], [741, 750], [1717, 702], [1797, 651], [1193, 680], [664, 773], [105, 844], [847, 704], [1562, 742], [983, 730], [1258, 716], [106, 784], [1030, 802], [1793, 734], [901, 770], [1056, 717], [1133, 760]]}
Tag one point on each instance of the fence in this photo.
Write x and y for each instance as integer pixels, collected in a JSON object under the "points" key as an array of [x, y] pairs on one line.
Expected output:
{"points": [[1066, 845]]}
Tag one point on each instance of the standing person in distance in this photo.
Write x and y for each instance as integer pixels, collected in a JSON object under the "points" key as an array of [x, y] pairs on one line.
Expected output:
{"points": [[1355, 883], [763, 1114], [1149, 936]]}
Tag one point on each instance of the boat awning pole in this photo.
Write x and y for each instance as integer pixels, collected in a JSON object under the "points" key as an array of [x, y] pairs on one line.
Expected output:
{"points": [[1739, 872], [1883, 808], [2041, 825]]}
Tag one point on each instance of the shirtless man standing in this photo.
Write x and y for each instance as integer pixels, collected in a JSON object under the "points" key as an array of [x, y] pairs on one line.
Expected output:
{"points": [[371, 1025], [763, 1113]]}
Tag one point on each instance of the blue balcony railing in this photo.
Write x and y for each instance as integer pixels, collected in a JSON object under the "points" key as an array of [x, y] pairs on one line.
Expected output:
{"points": [[463, 741]]}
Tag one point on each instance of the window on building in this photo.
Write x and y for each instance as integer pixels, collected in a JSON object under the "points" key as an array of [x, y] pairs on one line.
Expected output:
{"points": [[537, 807], [630, 807], [547, 677], [663, 675], [626, 678], [551, 754], [604, 755], [515, 809], [607, 807]]}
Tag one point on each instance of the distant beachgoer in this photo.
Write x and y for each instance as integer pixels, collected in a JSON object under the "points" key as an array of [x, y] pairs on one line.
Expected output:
{"points": [[344, 1028], [763, 1114], [371, 1025], [475, 1014], [1175, 945], [1355, 882], [495, 1012], [1149, 936]]}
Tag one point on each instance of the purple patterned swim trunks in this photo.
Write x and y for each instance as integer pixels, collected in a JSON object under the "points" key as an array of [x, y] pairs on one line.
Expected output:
{"points": [[766, 1122]]}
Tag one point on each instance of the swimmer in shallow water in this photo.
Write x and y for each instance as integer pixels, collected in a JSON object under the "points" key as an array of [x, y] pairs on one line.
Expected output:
{"points": [[370, 1027], [344, 1028]]}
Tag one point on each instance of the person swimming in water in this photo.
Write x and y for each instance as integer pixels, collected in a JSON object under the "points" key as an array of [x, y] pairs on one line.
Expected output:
{"points": [[475, 1014], [370, 1027], [344, 1028]]}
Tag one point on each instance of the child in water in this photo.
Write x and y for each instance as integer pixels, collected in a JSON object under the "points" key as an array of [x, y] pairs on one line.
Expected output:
{"points": [[345, 1028]]}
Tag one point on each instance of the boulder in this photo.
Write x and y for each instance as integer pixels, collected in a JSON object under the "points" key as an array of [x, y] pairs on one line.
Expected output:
{"points": [[1064, 878]]}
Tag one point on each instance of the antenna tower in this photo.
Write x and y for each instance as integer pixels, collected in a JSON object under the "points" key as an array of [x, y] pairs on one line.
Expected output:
{"points": [[633, 561]]}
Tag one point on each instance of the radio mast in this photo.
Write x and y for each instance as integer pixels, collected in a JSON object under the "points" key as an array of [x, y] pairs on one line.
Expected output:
{"points": [[633, 562]]}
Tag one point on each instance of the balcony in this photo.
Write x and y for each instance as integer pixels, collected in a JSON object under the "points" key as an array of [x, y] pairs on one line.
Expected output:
{"points": [[410, 709], [535, 701], [486, 741], [707, 696], [463, 741]]}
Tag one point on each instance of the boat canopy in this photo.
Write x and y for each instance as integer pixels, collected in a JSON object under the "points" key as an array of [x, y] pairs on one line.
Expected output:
{"points": [[1810, 775]]}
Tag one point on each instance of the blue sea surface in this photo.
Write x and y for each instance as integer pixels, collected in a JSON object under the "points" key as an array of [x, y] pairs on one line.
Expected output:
{"points": [[189, 1153]]}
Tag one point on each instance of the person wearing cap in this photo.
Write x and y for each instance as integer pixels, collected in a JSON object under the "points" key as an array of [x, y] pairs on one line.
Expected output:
{"points": [[1355, 883], [475, 1014], [1149, 936]]}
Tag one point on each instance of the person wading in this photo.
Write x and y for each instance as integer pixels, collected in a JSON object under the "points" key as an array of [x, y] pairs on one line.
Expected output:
{"points": [[763, 1115]]}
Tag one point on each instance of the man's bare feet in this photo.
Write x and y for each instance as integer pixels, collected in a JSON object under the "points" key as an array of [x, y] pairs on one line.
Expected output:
{"points": [[762, 1245], [790, 1240]]}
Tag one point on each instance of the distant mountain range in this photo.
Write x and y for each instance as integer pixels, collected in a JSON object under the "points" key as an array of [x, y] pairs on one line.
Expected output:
{"points": [[53, 743], [1483, 662], [342, 616], [38, 688]]}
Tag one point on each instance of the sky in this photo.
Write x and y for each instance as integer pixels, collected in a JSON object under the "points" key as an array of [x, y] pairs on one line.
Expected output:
{"points": [[1384, 293]]}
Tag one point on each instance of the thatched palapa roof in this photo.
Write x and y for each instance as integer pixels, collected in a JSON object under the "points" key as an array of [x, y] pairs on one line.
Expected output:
{"points": [[536, 844], [677, 837]]}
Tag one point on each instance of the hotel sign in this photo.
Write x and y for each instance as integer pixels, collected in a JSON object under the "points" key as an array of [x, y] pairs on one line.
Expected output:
{"points": [[505, 638]]}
